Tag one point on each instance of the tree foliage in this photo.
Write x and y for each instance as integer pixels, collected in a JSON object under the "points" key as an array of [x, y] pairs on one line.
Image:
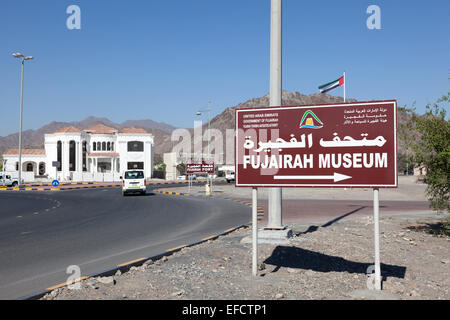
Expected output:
{"points": [[402, 163], [160, 167], [428, 137], [181, 168], [158, 159]]}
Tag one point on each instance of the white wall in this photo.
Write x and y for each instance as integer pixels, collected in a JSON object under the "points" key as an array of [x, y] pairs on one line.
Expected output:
{"points": [[170, 160], [146, 156], [51, 151], [11, 161], [51, 155]]}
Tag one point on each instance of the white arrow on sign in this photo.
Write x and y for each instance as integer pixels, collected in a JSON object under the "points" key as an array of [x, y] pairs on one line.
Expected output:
{"points": [[336, 177]]}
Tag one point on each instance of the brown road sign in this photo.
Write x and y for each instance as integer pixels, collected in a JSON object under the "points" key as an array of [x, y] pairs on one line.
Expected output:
{"points": [[199, 168], [336, 145]]}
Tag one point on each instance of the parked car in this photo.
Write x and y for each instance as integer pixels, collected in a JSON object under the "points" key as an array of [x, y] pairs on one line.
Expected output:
{"points": [[182, 177], [133, 181], [6, 180]]}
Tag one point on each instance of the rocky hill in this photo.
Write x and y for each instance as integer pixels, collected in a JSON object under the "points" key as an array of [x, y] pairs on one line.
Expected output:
{"points": [[35, 138], [226, 119]]}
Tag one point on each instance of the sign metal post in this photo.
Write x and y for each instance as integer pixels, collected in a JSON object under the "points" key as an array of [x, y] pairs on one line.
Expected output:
{"points": [[201, 168], [56, 165], [189, 182], [255, 231], [376, 221]]}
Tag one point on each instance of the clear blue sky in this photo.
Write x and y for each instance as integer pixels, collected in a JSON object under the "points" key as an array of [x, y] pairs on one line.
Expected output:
{"points": [[163, 60]]}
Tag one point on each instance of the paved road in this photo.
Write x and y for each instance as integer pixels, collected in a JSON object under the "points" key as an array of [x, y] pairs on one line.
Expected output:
{"points": [[42, 233]]}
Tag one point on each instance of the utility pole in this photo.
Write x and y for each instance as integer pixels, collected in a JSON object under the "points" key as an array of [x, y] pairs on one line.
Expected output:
{"points": [[275, 194]]}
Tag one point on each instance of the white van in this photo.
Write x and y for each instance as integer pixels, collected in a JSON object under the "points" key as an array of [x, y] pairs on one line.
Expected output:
{"points": [[6, 180], [133, 181], [229, 176]]}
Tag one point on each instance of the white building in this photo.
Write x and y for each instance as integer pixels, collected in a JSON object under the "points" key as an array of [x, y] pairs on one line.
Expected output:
{"points": [[99, 153], [171, 161]]}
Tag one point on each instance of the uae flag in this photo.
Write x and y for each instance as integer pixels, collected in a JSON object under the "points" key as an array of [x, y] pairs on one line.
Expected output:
{"points": [[331, 85]]}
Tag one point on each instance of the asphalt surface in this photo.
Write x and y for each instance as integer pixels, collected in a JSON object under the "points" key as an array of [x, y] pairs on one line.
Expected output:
{"points": [[42, 233]]}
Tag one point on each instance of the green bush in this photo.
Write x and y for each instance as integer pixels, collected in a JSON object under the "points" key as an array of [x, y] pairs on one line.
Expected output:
{"points": [[428, 137]]}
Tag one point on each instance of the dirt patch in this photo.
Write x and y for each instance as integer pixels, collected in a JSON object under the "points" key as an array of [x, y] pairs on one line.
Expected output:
{"points": [[437, 227]]}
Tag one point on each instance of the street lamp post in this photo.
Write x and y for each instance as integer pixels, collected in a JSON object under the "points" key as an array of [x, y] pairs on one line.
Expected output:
{"points": [[21, 56], [199, 113]]}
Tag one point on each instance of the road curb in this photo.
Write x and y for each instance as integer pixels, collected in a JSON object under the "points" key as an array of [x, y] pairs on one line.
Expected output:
{"points": [[93, 186], [171, 193], [84, 185]]}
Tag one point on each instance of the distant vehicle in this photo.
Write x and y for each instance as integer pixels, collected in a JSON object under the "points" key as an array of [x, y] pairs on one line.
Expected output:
{"points": [[186, 177], [133, 181], [6, 180], [229, 176]]}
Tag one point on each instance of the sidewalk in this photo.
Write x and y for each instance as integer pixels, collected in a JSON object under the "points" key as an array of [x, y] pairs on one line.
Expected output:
{"points": [[64, 186], [407, 190], [325, 204]]}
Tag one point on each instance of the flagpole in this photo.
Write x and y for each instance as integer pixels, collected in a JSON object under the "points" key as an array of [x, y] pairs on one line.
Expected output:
{"points": [[345, 80]]}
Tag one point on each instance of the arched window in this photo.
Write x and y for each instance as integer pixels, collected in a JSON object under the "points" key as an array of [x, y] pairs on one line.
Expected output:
{"points": [[94, 146], [108, 146], [59, 154], [29, 167], [41, 168], [99, 146], [103, 146], [135, 165], [84, 156], [112, 146], [135, 146], [72, 156]]}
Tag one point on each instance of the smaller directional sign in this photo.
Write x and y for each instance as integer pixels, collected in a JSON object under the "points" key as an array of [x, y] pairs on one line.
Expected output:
{"points": [[55, 183], [200, 168]]}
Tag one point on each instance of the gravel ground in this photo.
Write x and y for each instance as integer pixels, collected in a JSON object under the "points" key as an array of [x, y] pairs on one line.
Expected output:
{"points": [[320, 263]]}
